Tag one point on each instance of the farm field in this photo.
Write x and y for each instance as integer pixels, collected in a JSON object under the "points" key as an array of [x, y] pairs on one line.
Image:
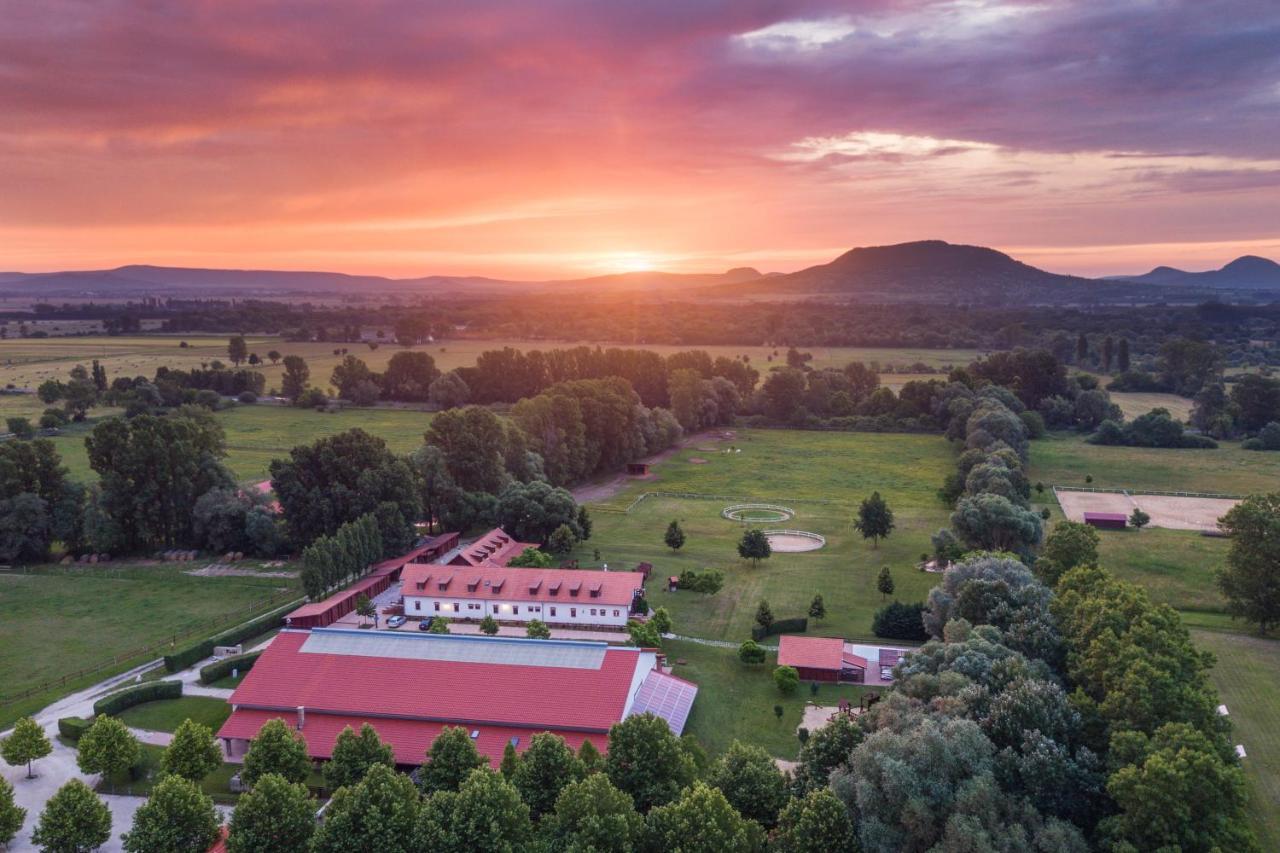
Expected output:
{"points": [[1065, 459], [1247, 675], [58, 621], [26, 362], [797, 469], [1135, 403]]}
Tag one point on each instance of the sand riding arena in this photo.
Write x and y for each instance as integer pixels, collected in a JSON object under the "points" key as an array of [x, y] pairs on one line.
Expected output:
{"points": [[758, 513], [794, 541], [1171, 511]]}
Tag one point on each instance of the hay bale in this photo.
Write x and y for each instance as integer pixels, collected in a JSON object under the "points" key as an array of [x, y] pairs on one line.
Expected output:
{"points": [[67, 560], [104, 558], [93, 559]]}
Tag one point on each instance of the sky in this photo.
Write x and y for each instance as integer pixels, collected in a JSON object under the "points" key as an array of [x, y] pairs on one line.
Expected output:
{"points": [[561, 138]]}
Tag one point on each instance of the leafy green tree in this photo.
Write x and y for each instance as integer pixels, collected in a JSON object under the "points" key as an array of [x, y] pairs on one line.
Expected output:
{"points": [[1070, 544], [815, 823], [532, 558], [177, 818], [674, 537], [275, 816], [108, 747], [825, 750], [473, 441], [661, 620], [787, 680], [365, 607], [12, 816], [26, 743], [276, 749], [993, 523], [751, 653], [237, 349], [537, 630], [73, 820], [647, 761], [584, 523], [450, 760], [21, 428], [377, 815], [754, 546], [485, 813], [439, 625], [817, 607], [764, 616], [488, 625], [354, 754], [562, 540], [1139, 519], [884, 582], [701, 820], [875, 519], [193, 753], [751, 782], [274, 355], [1250, 581], [1176, 792], [591, 814], [409, 376], [296, 376], [592, 760], [449, 391], [510, 761], [25, 528], [644, 634], [546, 767]]}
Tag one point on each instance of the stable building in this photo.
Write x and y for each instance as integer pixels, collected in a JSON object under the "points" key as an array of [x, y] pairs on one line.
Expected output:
{"points": [[409, 686], [568, 597], [821, 659], [493, 550]]}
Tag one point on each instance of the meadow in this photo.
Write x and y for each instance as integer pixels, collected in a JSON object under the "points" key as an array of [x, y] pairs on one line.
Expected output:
{"points": [[60, 620]]}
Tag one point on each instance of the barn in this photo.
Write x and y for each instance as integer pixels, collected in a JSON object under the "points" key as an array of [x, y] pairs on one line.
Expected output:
{"points": [[821, 659]]}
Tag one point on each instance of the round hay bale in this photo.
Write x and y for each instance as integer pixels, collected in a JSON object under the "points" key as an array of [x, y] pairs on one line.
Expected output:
{"points": [[93, 558]]}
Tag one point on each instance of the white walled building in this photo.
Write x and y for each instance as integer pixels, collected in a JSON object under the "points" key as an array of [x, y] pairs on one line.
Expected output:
{"points": [[555, 596]]}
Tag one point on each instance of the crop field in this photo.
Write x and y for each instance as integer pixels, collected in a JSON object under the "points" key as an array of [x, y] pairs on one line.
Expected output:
{"points": [[1067, 459], [800, 470], [58, 621], [1247, 675], [1135, 403]]}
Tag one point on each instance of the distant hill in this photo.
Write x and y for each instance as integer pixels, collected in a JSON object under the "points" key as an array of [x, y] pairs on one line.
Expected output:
{"points": [[1248, 272]]}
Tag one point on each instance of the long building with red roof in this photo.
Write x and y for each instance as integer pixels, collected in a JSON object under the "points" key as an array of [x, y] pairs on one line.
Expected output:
{"points": [[410, 686]]}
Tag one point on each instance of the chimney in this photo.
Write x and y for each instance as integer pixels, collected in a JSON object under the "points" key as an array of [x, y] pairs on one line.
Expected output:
{"points": [[302, 717]]}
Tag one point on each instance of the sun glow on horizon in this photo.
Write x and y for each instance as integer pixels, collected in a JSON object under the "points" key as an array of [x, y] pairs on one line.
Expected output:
{"points": [[626, 262]]}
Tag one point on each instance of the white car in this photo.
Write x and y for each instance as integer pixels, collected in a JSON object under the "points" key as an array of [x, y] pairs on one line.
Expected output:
{"points": [[395, 621]]}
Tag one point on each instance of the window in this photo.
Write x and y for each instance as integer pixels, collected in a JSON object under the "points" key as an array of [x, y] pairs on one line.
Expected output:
{"points": [[417, 604], [615, 613], [593, 611], [437, 604], [553, 611], [573, 611], [515, 608]]}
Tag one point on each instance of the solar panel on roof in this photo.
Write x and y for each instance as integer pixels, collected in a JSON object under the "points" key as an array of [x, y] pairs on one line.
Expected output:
{"points": [[666, 696], [459, 649]]}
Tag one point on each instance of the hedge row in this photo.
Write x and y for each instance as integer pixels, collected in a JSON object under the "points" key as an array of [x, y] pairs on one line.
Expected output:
{"points": [[222, 668], [149, 692], [900, 621], [73, 727], [797, 625], [184, 658]]}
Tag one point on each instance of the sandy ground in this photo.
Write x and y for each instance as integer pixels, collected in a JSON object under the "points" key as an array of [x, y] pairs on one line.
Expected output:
{"points": [[785, 543], [1174, 513]]}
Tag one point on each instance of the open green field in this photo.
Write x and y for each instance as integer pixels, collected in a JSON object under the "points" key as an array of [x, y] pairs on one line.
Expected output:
{"points": [[798, 469], [57, 622], [26, 362], [1247, 676], [1135, 403], [165, 715], [1065, 459], [736, 702]]}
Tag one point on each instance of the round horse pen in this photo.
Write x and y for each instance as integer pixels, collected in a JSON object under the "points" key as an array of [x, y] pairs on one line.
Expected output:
{"points": [[794, 541], [758, 513]]}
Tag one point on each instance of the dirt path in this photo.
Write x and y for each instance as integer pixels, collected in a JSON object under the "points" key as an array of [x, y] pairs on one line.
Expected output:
{"points": [[599, 491]]}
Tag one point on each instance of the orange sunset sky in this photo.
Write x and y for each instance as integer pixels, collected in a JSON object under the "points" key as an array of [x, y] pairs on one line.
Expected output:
{"points": [[553, 139]]}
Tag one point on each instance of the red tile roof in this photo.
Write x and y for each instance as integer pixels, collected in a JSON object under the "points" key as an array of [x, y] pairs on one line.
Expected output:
{"points": [[855, 660], [410, 739], [810, 652], [358, 588], [433, 547], [587, 696], [616, 589], [492, 550]]}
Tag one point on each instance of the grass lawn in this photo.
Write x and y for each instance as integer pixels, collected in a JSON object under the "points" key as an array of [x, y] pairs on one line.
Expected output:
{"points": [[1247, 676], [58, 622], [1065, 459], [736, 702], [781, 466], [165, 715], [1135, 403]]}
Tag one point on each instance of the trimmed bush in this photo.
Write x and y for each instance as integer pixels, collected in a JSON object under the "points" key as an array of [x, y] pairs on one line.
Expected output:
{"points": [[795, 625], [706, 581], [222, 668], [149, 692], [899, 621], [184, 658], [72, 727]]}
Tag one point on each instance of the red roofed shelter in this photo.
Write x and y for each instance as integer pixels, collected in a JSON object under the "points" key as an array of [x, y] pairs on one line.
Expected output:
{"points": [[821, 659]]}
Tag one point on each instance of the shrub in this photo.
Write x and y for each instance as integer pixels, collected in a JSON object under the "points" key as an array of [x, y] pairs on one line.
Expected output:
{"points": [[794, 625], [114, 703], [708, 581], [72, 727], [899, 621], [247, 397], [220, 669], [787, 680], [751, 653], [184, 658]]}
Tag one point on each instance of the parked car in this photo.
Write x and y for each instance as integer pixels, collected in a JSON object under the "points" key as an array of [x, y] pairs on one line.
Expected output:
{"points": [[425, 624], [396, 621]]}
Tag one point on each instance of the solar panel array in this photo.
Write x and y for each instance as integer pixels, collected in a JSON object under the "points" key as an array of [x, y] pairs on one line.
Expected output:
{"points": [[668, 697], [442, 647]]}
